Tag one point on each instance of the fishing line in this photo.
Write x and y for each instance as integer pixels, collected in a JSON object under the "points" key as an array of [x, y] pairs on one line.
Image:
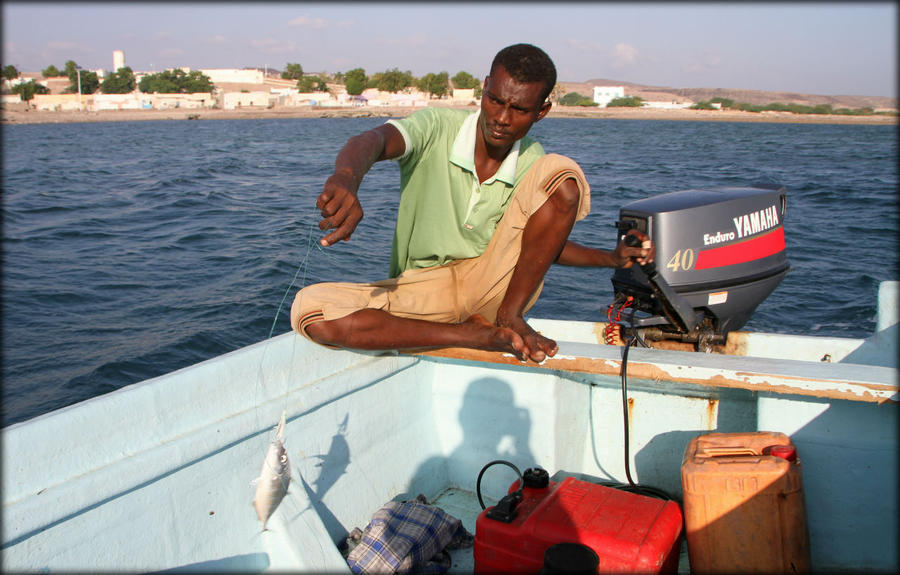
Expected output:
{"points": [[275, 475], [302, 267]]}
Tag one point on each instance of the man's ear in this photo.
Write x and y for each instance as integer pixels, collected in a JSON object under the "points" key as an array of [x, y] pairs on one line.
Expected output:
{"points": [[545, 107]]}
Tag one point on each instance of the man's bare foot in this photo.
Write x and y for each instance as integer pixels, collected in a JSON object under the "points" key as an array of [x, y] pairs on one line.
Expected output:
{"points": [[499, 338], [537, 347]]}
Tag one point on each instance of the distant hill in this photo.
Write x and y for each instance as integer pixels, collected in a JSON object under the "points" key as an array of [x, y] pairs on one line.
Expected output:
{"points": [[757, 97]]}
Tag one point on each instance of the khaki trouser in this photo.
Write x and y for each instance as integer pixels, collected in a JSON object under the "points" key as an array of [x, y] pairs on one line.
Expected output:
{"points": [[453, 292]]}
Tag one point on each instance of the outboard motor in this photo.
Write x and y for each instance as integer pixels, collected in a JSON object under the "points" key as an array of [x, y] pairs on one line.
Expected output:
{"points": [[719, 253]]}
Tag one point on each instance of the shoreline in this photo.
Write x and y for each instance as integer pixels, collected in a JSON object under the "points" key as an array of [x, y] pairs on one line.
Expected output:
{"points": [[13, 117]]}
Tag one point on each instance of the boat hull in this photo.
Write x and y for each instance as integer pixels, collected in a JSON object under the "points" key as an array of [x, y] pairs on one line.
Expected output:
{"points": [[156, 476]]}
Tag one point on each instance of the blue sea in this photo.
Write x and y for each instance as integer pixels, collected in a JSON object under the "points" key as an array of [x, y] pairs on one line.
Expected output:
{"points": [[131, 249]]}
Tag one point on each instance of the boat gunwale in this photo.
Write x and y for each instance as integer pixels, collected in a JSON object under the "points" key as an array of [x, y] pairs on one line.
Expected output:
{"points": [[835, 381]]}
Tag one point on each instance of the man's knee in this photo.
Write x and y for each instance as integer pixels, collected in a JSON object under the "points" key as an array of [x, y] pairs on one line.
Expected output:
{"points": [[567, 197], [308, 307], [308, 316], [559, 177], [322, 332]]}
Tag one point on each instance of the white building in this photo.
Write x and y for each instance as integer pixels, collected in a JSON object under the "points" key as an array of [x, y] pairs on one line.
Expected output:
{"points": [[118, 60], [233, 76], [464, 95], [671, 105], [192, 101], [603, 95], [130, 101], [236, 100], [306, 98]]}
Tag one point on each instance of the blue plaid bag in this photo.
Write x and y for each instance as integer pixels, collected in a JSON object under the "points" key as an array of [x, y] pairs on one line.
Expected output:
{"points": [[407, 537]]}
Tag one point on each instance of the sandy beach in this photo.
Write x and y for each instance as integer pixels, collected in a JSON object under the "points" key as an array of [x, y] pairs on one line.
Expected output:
{"points": [[12, 116]]}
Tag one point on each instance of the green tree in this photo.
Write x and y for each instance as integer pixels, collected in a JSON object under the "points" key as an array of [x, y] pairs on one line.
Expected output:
{"points": [[197, 82], [703, 105], [745, 107], [626, 102], [308, 84], [89, 80], [51, 71], [392, 80], [10, 72], [176, 82], [355, 81], [867, 111], [576, 99], [160, 83], [465, 81], [71, 68], [27, 90], [292, 72], [435, 84], [119, 82]]}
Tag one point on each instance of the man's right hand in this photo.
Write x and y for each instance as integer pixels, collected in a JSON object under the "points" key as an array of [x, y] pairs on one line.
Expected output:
{"points": [[338, 203], [340, 208]]}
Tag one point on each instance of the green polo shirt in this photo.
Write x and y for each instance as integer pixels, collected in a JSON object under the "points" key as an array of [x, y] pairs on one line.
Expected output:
{"points": [[445, 214]]}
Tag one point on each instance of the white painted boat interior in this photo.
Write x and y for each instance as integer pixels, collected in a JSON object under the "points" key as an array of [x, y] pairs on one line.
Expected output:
{"points": [[156, 476]]}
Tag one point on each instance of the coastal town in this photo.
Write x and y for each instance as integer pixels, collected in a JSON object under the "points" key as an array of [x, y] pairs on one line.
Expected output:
{"points": [[254, 92]]}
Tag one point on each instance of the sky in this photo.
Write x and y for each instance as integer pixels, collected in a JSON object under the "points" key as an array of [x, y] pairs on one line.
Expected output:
{"points": [[828, 48]]}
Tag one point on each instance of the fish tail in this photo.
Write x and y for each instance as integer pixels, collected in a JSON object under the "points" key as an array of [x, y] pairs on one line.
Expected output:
{"points": [[279, 431]]}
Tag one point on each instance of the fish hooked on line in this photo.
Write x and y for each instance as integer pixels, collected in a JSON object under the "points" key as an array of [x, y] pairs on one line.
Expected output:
{"points": [[273, 480]]}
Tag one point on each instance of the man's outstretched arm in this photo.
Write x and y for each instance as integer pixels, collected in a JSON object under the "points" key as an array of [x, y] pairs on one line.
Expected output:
{"points": [[574, 254], [338, 202]]}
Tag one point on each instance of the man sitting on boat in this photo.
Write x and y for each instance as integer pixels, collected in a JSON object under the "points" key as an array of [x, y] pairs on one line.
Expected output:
{"points": [[483, 213]]}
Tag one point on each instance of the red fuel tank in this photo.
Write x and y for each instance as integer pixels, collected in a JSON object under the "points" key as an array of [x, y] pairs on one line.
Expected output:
{"points": [[630, 533]]}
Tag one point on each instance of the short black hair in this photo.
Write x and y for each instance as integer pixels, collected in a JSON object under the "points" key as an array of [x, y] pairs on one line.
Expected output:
{"points": [[527, 63]]}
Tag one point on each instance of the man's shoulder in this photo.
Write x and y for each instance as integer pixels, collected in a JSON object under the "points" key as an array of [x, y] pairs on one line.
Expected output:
{"points": [[435, 114], [429, 125], [530, 151], [530, 148]]}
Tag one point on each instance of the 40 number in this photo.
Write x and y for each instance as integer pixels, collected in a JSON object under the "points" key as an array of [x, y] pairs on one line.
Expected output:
{"points": [[683, 260]]}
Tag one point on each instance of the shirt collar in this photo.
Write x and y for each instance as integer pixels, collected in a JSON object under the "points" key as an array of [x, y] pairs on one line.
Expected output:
{"points": [[463, 152]]}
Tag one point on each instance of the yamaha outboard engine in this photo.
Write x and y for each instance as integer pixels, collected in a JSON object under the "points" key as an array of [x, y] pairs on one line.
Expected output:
{"points": [[719, 253]]}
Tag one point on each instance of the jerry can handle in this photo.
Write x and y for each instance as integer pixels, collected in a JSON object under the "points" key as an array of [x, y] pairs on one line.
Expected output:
{"points": [[727, 451]]}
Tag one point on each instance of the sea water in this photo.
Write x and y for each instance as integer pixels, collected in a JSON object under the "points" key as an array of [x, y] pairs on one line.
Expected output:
{"points": [[131, 249]]}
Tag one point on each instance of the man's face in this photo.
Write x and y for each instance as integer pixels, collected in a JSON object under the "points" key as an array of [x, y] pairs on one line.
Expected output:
{"points": [[509, 108]]}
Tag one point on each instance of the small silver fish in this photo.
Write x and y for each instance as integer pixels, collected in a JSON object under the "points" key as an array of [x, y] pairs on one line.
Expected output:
{"points": [[273, 480]]}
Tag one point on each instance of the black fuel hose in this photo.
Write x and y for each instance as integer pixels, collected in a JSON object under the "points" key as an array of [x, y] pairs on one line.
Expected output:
{"points": [[485, 468]]}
